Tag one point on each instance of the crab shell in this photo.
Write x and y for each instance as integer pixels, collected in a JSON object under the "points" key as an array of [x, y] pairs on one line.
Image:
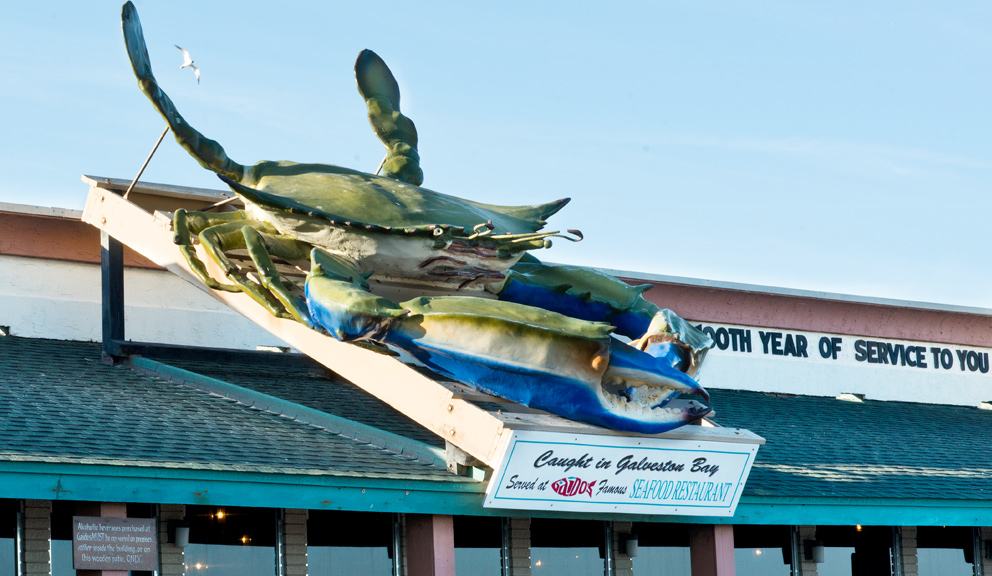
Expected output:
{"points": [[417, 235]]}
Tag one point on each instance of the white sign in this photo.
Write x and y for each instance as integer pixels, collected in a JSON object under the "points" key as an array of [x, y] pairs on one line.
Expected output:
{"points": [[114, 543], [631, 475], [818, 364]]}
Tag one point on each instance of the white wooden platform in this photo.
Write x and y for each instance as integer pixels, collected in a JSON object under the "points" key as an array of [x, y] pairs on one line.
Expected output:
{"points": [[448, 409]]}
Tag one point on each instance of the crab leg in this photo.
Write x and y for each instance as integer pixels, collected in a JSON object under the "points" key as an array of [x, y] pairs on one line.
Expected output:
{"points": [[207, 152], [340, 305], [219, 233], [185, 225], [260, 246], [220, 238], [398, 134]]}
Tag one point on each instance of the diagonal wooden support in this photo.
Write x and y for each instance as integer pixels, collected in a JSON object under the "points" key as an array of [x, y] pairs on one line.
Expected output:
{"points": [[427, 402]]}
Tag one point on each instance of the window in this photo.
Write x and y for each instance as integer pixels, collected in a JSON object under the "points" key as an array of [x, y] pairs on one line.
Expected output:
{"points": [[567, 547], [855, 550], [662, 549], [478, 545], [763, 550], [231, 541], [8, 535], [945, 551], [348, 543]]}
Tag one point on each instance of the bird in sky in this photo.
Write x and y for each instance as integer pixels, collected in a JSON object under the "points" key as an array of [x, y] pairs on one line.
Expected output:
{"points": [[188, 63]]}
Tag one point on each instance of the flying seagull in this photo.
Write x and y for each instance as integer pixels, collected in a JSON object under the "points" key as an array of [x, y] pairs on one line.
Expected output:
{"points": [[188, 63]]}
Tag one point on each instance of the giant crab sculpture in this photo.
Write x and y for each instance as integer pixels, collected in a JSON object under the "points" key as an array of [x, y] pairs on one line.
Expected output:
{"points": [[546, 340]]}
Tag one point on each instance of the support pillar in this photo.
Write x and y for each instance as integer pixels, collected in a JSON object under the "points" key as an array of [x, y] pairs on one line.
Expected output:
{"points": [[806, 567], [711, 549], [985, 545], [37, 551], [294, 538], [102, 510], [516, 547], [907, 551], [171, 558], [430, 545], [623, 565], [112, 283]]}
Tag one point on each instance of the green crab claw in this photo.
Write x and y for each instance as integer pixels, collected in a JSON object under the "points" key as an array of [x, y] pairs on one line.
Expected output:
{"points": [[398, 134], [345, 310]]}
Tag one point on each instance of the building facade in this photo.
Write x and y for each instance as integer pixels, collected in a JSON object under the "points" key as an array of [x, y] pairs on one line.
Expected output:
{"points": [[247, 458]]}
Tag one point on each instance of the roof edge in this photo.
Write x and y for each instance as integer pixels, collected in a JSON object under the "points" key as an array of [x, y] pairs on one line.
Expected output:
{"points": [[51, 212], [796, 292]]}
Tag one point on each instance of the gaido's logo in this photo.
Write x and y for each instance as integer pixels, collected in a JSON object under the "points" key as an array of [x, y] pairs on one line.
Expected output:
{"points": [[571, 486]]}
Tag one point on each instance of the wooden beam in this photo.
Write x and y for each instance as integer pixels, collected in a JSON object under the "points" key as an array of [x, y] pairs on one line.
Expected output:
{"points": [[166, 197]]}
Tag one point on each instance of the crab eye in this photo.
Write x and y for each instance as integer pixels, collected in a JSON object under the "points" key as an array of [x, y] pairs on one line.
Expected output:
{"points": [[438, 231]]}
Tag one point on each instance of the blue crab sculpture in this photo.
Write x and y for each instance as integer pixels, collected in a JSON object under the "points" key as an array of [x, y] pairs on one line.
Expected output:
{"points": [[532, 333]]}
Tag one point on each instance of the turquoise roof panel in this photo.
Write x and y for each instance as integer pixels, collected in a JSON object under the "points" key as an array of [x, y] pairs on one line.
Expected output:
{"points": [[59, 403], [318, 389], [824, 447]]}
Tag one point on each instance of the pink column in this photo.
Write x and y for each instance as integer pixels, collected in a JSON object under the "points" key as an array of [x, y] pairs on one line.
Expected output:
{"points": [[430, 545], [712, 550], [103, 510]]}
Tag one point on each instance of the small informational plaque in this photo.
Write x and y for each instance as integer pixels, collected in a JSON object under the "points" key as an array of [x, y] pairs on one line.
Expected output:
{"points": [[114, 543], [632, 475]]}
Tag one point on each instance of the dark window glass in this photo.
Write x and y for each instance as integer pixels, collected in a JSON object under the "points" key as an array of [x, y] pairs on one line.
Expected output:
{"points": [[763, 550], [945, 551], [348, 543], [567, 547], [8, 535], [855, 550], [62, 513], [231, 541], [478, 545], [663, 549]]}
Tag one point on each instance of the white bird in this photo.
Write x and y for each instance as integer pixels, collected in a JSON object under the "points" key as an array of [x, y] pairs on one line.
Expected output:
{"points": [[188, 63]]}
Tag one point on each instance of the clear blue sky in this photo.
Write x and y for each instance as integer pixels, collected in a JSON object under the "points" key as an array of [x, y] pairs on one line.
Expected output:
{"points": [[841, 146]]}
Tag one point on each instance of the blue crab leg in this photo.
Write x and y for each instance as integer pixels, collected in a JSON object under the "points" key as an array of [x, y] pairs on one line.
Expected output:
{"points": [[339, 301]]}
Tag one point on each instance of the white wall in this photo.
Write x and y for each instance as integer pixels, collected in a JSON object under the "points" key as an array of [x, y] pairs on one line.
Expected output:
{"points": [[61, 300]]}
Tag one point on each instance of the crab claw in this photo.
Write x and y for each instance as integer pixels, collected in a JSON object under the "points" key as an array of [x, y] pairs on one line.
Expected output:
{"points": [[345, 311], [637, 390], [658, 366]]}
